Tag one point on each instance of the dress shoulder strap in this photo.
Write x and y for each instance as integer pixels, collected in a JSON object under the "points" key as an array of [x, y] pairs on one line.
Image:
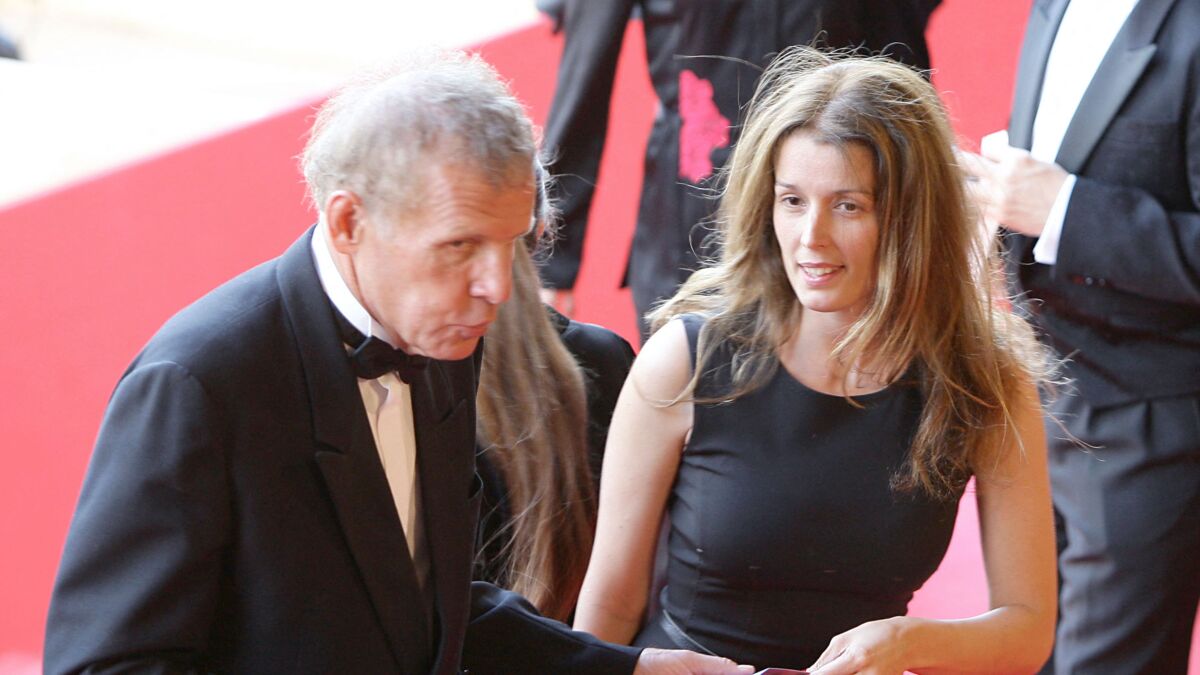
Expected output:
{"points": [[692, 323]]}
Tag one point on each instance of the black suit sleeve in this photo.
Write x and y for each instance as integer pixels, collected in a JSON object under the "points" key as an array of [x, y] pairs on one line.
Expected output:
{"points": [[1130, 240], [605, 358], [507, 635], [139, 578], [578, 122]]}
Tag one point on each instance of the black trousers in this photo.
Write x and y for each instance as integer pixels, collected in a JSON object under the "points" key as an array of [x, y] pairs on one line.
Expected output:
{"points": [[1127, 509]]}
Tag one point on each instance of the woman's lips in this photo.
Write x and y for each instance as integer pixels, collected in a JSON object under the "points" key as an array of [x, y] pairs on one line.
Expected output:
{"points": [[819, 274]]}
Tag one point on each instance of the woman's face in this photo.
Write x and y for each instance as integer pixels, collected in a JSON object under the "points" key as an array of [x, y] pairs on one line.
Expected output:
{"points": [[825, 223]]}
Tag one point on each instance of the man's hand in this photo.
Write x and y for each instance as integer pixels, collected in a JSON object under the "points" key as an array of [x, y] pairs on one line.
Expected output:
{"points": [[1011, 187], [679, 662], [562, 299]]}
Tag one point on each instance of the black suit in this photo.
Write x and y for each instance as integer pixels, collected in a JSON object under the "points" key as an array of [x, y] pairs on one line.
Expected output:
{"points": [[1122, 303], [236, 517]]}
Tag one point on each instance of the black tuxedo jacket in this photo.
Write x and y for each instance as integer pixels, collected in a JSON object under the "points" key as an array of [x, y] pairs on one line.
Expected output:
{"points": [[236, 517], [1123, 300]]}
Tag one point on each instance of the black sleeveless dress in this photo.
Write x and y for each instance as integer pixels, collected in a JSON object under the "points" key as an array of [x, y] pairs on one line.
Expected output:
{"points": [[784, 529]]}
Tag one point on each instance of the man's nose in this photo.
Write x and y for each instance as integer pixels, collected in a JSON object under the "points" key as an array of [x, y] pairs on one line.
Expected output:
{"points": [[493, 282]]}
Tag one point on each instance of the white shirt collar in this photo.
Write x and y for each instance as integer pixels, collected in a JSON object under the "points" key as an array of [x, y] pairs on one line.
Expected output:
{"points": [[339, 293], [1085, 35]]}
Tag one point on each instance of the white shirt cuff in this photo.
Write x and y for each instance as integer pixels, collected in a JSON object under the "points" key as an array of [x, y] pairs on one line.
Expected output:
{"points": [[1045, 250]]}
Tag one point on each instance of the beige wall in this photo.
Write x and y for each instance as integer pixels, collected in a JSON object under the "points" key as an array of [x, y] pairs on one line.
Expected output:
{"points": [[106, 82]]}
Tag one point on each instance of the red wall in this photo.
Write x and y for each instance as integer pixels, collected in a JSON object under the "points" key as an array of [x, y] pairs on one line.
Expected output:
{"points": [[89, 273]]}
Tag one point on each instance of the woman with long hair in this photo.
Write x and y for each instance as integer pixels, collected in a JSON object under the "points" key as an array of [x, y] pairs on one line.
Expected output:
{"points": [[812, 406], [546, 393]]}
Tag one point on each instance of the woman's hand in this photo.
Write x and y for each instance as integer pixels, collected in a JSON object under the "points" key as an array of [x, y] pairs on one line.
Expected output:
{"points": [[874, 648]]}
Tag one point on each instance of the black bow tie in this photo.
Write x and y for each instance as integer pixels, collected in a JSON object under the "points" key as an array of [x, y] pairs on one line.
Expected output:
{"points": [[372, 357]]}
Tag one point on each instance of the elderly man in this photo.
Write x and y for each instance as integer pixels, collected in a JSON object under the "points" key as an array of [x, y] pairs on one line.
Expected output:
{"points": [[284, 478]]}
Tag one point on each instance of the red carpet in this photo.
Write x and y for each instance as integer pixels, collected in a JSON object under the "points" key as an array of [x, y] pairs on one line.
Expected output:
{"points": [[90, 271]]}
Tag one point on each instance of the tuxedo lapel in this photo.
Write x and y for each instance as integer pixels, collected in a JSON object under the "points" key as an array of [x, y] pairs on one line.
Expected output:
{"points": [[349, 462], [445, 430], [1122, 67], [1031, 69]]}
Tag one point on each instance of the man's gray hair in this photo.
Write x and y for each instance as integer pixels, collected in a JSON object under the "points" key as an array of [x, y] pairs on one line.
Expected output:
{"points": [[378, 136]]}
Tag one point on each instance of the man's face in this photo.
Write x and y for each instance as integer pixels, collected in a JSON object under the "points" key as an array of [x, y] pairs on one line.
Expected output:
{"points": [[434, 275]]}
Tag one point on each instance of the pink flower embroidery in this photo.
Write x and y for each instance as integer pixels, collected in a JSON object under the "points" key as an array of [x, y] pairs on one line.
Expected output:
{"points": [[704, 128]]}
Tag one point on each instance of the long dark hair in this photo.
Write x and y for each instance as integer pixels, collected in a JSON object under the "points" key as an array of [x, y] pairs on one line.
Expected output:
{"points": [[532, 422]]}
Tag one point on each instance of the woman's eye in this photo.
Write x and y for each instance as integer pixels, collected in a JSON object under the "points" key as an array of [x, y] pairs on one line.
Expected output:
{"points": [[849, 207], [791, 201]]}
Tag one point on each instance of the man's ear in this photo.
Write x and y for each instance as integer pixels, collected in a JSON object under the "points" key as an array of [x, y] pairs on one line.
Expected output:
{"points": [[344, 219]]}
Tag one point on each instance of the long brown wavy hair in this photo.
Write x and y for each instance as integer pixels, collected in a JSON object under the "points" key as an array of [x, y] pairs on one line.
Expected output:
{"points": [[532, 422], [933, 305]]}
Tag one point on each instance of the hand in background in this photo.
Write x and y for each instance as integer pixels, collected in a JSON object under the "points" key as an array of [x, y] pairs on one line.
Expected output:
{"points": [[874, 648], [562, 299], [680, 662], [1010, 186]]}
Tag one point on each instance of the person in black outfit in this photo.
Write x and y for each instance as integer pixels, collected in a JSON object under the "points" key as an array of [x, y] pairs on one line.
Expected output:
{"points": [[810, 408], [704, 57], [1097, 185], [546, 395]]}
